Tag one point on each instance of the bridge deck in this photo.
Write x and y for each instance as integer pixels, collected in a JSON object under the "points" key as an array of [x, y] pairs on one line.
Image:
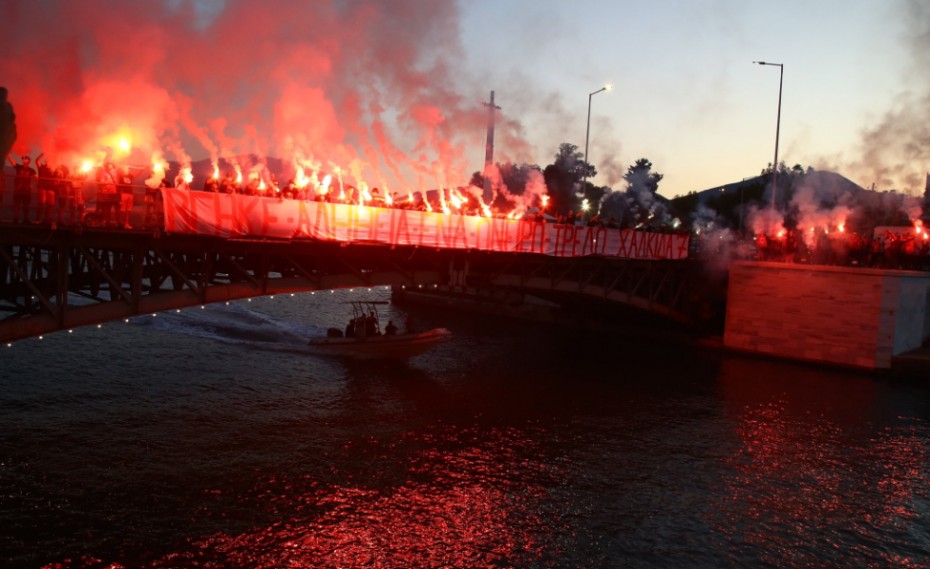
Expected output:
{"points": [[57, 279]]}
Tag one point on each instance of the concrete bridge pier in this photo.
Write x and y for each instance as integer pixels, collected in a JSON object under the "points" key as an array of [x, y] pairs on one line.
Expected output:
{"points": [[847, 316]]}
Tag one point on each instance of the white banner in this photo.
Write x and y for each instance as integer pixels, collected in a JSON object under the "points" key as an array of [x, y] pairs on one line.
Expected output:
{"points": [[235, 215]]}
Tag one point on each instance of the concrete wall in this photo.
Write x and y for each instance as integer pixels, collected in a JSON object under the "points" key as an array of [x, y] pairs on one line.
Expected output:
{"points": [[839, 315]]}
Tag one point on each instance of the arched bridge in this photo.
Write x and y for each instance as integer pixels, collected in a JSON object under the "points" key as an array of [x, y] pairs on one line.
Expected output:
{"points": [[61, 279]]}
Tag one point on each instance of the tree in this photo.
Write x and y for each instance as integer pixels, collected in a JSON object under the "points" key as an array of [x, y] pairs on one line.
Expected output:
{"points": [[477, 179], [508, 181], [516, 176], [563, 178], [638, 205], [640, 177], [787, 180]]}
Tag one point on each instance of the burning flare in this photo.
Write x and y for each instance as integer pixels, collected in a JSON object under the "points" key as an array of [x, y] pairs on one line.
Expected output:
{"points": [[300, 179], [324, 185]]}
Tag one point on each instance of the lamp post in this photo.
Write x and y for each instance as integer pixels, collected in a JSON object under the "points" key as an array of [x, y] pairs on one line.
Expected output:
{"points": [[587, 133], [781, 75]]}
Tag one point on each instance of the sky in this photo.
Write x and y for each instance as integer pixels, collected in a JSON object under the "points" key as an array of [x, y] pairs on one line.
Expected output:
{"points": [[390, 92], [688, 98]]}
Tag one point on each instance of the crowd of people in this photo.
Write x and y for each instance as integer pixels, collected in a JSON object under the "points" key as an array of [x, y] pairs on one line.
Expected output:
{"points": [[268, 186], [61, 195], [886, 248], [106, 195]]}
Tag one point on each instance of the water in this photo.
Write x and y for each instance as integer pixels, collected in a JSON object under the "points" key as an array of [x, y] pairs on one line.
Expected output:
{"points": [[210, 438]]}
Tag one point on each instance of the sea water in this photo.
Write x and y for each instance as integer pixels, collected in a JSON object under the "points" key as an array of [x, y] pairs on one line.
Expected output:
{"points": [[210, 437]]}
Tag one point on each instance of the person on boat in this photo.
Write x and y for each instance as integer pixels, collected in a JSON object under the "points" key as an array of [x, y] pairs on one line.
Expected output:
{"points": [[371, 325], [390, 329]]}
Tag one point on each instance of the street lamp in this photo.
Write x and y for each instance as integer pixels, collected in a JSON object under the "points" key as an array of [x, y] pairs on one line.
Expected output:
{"points": [[587, 133], [781, 75]]}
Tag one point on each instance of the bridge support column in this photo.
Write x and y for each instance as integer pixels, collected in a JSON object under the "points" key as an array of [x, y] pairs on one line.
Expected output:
{"points": [[458, 275], [838, 315]]}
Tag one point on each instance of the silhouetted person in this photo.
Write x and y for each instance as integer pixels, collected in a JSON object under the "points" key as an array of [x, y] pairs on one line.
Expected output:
{"points": [[371, 325], [228, 185], [7, 135], [46, 184], [64, 193], [7, 124], [107, 196], [76, 192], [152, 199], [126, 197], [181, 183], [211, 184], [22, 187], [377, 200]]}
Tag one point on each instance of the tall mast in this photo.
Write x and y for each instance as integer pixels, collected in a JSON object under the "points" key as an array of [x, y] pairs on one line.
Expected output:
{"points": [[489, 147]]}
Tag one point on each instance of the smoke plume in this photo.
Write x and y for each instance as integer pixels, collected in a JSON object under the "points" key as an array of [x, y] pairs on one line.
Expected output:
{"points": [[366, 86], [894, 151]]}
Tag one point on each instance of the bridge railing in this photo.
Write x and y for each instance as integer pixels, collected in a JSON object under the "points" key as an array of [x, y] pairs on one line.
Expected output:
{"points": [[77, 200], [60, 279]]}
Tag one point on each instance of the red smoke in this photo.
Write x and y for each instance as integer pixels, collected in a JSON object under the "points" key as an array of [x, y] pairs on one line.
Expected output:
{"points": [[365, 86]]}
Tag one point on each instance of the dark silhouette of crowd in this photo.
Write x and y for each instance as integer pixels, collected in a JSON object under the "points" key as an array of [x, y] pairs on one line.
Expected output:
{"points": [[61, 196], [905, 248]]}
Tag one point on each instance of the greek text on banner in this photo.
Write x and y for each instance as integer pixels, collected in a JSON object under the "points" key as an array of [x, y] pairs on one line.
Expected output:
{"points": [[235, 215]]}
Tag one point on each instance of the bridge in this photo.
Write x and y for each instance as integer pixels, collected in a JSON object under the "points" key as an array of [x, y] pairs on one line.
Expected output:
{"points": [[60, 279]]}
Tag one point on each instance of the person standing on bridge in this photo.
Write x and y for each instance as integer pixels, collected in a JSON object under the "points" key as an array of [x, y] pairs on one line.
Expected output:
{"points": [[153, 200], [64, 193], [22, 187], [107, 196], [126, 197], [211, 184], [7, 134], [46, 184], [228, 185], [76, 192], [762, 247]]}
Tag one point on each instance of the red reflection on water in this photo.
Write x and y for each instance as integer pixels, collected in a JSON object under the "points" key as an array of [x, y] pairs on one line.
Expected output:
{"points": [[456, 508], [812, 478]]}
